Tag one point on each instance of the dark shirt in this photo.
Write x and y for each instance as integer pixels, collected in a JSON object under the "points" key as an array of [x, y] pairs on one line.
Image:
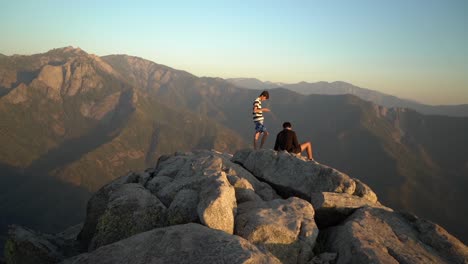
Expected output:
{"points": [[287, 140]]}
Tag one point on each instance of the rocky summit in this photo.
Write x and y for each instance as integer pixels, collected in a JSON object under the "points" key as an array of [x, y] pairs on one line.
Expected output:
{"points": [[251, 207]]}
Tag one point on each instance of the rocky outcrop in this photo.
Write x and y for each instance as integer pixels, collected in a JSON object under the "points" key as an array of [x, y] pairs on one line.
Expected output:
{"points": [[202, 187], [80, 76], [59, 74], [131, 209], [27, 246], [101, 109], [293, 176], [207, 183], [213, 179], [209, 207], [119, 210], [285, 227], [18, 95], [196, 187], [332, 208], [52, 77], [8, 77], [378, 235], [189, 243]]}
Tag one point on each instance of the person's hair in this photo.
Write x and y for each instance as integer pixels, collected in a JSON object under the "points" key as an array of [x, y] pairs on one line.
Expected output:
{"points": [[266, 94], [286, 125]]}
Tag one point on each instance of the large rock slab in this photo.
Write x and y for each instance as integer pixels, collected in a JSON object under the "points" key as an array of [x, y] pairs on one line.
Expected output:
{"points": [[119, 210], [378, 235], [183, 208], [131, 210], [217, 205], [286, 228], [339, 201], [291, 175], [98, 204], [332, 208], [189, 243]]}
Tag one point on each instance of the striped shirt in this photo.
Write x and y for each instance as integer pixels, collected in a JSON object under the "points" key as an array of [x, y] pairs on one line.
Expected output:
{"points": [[257, 116]]}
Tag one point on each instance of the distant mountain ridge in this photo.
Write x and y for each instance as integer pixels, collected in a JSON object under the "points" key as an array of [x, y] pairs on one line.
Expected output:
{"points": [[338, 87], [92, 92], [82, 119]]}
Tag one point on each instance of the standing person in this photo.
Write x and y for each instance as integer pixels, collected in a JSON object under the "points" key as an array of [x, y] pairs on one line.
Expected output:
{"points": [[287, 140], [258, 118]]}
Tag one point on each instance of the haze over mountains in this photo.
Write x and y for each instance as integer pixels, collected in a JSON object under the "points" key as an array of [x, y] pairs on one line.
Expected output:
{"points": [[337, 88], [72, 121]]}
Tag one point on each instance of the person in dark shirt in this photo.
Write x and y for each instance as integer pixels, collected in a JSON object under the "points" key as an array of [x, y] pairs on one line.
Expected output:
{"points": [[287, 140]]}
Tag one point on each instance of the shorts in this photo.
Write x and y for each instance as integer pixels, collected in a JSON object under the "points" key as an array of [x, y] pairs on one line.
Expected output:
{"points": [[259, 127]]}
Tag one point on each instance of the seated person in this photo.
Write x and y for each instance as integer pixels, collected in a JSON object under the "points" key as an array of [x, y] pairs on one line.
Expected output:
{"points": [[287, 140]]}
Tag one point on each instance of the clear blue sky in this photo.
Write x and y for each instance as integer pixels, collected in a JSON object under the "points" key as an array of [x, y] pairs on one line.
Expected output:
{"points": [[415, 49]]}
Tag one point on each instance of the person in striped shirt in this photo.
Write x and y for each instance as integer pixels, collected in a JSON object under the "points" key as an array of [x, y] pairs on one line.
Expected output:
{"points": [[258, 119]]}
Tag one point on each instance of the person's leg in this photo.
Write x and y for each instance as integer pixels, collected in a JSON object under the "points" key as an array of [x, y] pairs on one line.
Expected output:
{"points": [[307, 146], [256, 135], [264, 137]]}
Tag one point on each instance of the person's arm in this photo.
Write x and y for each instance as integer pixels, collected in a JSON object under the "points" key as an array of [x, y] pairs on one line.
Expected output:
{"points": [[256, 109]]}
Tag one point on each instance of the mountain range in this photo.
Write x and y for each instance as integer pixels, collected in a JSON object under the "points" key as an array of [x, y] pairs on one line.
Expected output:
{"points": [[338, 88], [70, 120], [73, 121]]}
